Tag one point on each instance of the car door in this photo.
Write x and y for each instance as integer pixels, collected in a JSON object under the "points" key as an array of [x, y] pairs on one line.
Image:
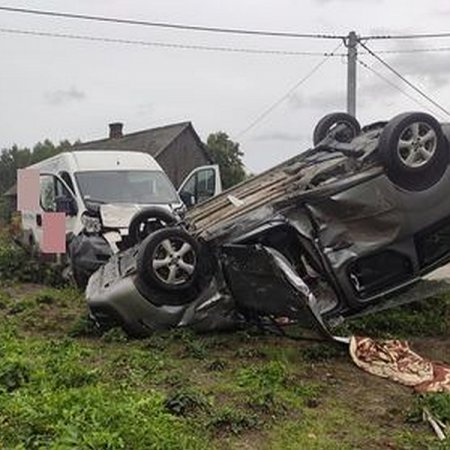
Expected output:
{"points": [[201, 184], [55, 196]]}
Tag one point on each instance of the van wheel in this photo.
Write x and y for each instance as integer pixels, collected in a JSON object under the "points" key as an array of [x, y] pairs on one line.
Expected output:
{"points": [[147, 221], [341, 126], [168, 259], [414, 151]]}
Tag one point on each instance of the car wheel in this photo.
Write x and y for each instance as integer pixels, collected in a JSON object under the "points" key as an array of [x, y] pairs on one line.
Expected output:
{"points": [[414, 151], [342, 126], [146, 222], [168, 259]]}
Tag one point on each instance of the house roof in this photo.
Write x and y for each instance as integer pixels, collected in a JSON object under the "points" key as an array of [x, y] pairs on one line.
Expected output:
{"points": [[11, 192], [153, 140]]}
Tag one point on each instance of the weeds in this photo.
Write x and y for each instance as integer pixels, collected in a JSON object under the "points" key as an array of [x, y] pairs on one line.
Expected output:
{"points": [[14, 373], [185, 402], [92, 417], [218, 365], [16, 264], [263, 384], [114, 335], [438, 404], [196, 349], [83, 326], [430, 317], [232, 420]]}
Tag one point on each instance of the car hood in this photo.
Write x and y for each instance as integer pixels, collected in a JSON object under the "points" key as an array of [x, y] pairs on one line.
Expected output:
{"points": [[119, 215]]}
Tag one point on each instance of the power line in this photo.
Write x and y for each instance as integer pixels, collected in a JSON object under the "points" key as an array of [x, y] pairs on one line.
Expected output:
{"points": [[267, 111], [167, 25], [415, 50], [162, 44], [407, 36], [207, 47], [411, 85], [398, 88]]}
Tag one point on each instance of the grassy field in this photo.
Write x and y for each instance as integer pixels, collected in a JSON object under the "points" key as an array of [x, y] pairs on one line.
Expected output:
{"points": [[64, 386]]}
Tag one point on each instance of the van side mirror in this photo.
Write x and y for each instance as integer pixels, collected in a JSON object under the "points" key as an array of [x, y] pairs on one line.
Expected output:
{"points": [[66, 204], [187, 198]]}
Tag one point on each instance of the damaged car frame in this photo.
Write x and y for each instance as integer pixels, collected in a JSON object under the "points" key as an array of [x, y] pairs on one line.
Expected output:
{"points": [[345, 228]]}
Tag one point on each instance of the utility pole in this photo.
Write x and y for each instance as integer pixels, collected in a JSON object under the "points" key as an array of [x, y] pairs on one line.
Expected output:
{"points": [[352, 53]]}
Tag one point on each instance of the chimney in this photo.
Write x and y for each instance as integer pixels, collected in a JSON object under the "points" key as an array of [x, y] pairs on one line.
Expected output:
{"points": [[115, 130]]}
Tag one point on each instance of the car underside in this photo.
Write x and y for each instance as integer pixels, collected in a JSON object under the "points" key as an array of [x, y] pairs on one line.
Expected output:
{"points": [[347, 227]]}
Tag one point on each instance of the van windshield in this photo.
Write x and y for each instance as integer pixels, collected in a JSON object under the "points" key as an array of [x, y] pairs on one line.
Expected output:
{"points": [[126, 186]]}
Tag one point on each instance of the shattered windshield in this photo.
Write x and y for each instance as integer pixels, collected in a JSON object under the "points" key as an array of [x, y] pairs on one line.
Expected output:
{"points": [[126, 186]]}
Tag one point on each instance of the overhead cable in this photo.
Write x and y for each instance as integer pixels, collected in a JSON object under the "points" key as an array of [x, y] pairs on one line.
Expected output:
{"points": [[411, 85], [414, 50], [163, 44], [146, 23], [407, 36], [303, 80]]}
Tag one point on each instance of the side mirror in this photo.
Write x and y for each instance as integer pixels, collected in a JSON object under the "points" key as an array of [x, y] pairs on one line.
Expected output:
{"points": [[187, 198], [66, 205]]}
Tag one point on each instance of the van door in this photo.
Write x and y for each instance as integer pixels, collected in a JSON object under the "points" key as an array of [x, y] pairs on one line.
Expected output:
{"points": [[55, 196], [200, 185]]}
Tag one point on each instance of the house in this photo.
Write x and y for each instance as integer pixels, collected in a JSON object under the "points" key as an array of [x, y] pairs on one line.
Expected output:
{"points": [[177, 148]]}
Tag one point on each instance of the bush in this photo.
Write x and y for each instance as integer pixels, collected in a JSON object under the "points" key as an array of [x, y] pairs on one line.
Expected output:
{"points": [[17, 265]]}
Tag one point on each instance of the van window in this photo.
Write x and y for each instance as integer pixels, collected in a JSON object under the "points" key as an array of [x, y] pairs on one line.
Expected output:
{"points": [[68, 180], [201, 185], [50, 189], [47, 194], [126, 186]]}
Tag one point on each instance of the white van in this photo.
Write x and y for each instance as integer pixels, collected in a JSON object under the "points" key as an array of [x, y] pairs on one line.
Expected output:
{"points": [[115, 184]]}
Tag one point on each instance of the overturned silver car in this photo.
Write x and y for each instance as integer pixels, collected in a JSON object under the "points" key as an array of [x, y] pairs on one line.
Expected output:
{"points": [[347, 227]]}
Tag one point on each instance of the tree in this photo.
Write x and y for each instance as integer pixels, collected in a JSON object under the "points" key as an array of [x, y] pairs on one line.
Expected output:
{"points": [[224, 152]]}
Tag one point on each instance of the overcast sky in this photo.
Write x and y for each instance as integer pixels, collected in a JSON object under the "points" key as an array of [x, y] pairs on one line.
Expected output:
{"points": [[63, 89]]}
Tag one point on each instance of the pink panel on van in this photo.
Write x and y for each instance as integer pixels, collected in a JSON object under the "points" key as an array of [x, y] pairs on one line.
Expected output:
{"points": [[28, 190], [54, 233]]}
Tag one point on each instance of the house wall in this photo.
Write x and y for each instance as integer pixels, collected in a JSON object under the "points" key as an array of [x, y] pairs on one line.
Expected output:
{"points": [[182, 156]]}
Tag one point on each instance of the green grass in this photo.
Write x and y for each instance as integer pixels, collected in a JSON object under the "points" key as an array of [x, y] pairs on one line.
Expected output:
{"points": [[66, 385], [430, 317]]}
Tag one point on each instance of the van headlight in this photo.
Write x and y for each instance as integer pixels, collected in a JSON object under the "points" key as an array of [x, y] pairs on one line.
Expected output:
{"points": [[91, 224]]}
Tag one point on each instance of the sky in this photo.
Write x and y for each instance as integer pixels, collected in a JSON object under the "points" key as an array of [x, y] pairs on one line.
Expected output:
{"points": [[71, 89]]}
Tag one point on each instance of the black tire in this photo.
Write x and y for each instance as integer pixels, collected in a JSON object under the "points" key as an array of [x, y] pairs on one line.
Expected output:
{"points": [[417, 163], [183, 268], [147, 221], [327, 125]]}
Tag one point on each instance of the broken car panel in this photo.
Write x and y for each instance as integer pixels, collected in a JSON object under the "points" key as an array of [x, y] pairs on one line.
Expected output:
{"points": [[330, 233]]}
